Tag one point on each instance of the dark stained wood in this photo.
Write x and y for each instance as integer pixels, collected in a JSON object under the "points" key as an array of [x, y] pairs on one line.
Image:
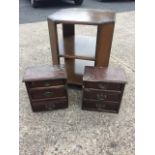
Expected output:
{"points": [[103, 88], [46, 87], [68, 30], [104, 74], [103, 85], [77, 57], [46, 72], [54, 42], [103, 106], [82, 16], [84, 48], [100, 95], [47, 93], [52, 104], [103, 45], [46, 83]]}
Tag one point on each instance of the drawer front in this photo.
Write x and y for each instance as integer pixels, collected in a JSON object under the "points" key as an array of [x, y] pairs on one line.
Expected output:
{"points": [[104, 86], [49, 104], [48, 93], [101, 95], [46, 83], [101, 105]]}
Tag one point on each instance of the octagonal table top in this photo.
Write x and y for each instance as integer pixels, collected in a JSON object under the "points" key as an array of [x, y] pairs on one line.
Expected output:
{"points": [[82, 16]]}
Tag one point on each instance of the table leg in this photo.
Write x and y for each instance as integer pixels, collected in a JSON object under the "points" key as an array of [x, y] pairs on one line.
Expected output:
{"points": [[68, 30], [68, 37], [69, 34], [103, 44], [54, 42]]}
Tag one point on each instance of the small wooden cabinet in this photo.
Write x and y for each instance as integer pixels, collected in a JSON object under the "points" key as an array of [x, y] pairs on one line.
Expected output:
{"points": [[103, 88], [46, 87], [79, 51]]}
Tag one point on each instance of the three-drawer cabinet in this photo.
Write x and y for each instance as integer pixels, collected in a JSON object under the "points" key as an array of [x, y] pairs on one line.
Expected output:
{"points": [[46, 87], [103, 88]]}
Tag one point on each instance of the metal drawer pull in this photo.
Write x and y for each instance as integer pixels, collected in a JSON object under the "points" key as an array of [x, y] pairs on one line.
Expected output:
{"points": [[102, 86], [101, 96], [47, 84], [48, 94]]}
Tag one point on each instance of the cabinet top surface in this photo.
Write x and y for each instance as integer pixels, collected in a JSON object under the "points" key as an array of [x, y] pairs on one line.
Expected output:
{"points": [[82, 16], [46, 72], [103, 74]]}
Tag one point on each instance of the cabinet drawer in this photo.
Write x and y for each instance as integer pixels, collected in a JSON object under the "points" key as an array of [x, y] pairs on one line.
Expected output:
{"points": [[100, 105], [37, 94], [52, 104], [101, 95], [46, 83], [103, 86]]}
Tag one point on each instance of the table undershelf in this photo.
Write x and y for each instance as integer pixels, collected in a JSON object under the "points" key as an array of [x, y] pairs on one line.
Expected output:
{"points": [[79, 47]]}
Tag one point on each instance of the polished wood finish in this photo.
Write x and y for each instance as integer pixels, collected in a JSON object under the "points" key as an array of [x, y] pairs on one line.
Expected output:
{"points": [[103, 45], [104, 74], [83, 16], [46, 87], [103, 88], [54, 42], [46, 72], [73, 47]]}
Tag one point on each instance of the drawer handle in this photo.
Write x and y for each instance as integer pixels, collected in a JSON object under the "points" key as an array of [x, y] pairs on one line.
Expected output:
{"points": [[102, 86], [47, 84], [101, 96], [48, 94]]}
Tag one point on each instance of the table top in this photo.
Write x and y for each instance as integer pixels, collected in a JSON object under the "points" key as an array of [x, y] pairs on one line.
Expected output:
{"points": [[83, 16], [104, 74], [46, 72]]}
